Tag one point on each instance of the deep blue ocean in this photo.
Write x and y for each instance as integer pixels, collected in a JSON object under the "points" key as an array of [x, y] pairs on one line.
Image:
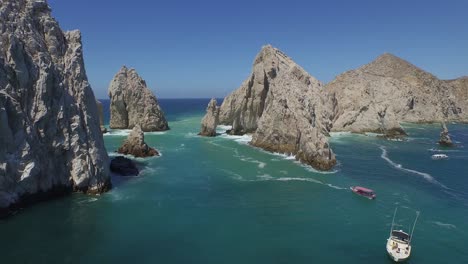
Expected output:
{"points": [[218, 200]]}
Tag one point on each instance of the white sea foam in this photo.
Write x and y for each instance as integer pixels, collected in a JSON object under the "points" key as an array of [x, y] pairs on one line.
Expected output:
{"points": [[126, 132], [244, 139], [426, 176], [265, 177], [222, 129], [444, 225]]}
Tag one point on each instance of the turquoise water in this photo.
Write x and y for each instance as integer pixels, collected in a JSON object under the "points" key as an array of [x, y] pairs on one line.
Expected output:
{"points": [[218, 200]]}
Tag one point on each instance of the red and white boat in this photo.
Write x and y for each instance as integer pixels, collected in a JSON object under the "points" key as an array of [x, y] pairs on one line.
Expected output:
{"points": [[368, 193]]}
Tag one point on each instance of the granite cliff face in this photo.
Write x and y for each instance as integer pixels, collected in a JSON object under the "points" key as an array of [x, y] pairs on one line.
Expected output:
{"points": [[389, 90], [282, 106], [135, 145], [50, 140], [210, 120], [132, 103]]}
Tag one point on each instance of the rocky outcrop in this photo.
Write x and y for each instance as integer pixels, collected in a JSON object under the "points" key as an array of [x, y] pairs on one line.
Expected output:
{"points": [[124, 166], [101, 117], [282, 106], [135, 145], [132, 103], [50, 140], [389, 90], [445, 137], [210, 120]]}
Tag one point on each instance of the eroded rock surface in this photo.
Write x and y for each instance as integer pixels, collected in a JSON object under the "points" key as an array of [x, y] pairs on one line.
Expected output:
{"points": [[135, 145], [132, 103], [445, 139], [50, 139], [378, 96], [282, 106], [210, 120]]}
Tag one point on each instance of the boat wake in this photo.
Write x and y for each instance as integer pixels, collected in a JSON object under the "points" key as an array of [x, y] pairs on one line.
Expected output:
{"points": [[267, 177], [444, 225], [426, 176]]}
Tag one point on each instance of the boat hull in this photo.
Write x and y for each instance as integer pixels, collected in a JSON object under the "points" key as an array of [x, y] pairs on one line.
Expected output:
{"points": [[396, 255]]}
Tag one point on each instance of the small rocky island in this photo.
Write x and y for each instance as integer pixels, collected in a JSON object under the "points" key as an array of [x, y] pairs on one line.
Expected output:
{"points": [[281, 105], [210, 120], [133, 103], [135, 145], [50, 138], [445, 139]]}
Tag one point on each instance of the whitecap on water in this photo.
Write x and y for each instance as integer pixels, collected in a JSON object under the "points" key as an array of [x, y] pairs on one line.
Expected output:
{"points": [[244, 139]]}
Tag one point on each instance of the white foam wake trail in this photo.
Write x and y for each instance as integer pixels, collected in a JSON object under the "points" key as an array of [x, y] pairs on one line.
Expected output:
{"points": [[444, 225], [126, 132], [426, 176], [310, 180]]}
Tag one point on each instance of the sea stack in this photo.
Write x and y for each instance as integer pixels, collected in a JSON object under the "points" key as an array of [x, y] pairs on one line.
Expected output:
{"points": [[50, 139], [132, 103], [445, 137], [101, 116], [210, 120], [281, 105], [378, 96], [135, 145]]}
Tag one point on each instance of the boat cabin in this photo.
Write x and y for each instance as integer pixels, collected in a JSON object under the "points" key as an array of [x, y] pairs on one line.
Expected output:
{"points": [[401, 236], [363, 192]]}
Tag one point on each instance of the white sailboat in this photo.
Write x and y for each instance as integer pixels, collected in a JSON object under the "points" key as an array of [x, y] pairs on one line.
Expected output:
{"points": [[399, 242]]}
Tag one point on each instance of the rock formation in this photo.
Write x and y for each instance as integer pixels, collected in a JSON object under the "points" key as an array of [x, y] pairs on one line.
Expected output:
{"points": [[445, 137], [135, 145], [389, 90], [124, 166], [132, 103], [210, 120], [50, 141], [101, 117], [281, 104]]}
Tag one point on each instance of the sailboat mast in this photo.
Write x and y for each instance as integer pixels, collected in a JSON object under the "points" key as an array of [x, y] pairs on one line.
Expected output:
{"points": [[414, 225], [393, 220]]}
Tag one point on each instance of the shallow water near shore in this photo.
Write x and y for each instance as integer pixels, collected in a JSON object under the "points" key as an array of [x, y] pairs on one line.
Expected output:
{"points": [[218, 200]]}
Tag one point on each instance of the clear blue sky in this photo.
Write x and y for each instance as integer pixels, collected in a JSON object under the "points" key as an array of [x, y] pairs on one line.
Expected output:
{"points": [[201, 48]]}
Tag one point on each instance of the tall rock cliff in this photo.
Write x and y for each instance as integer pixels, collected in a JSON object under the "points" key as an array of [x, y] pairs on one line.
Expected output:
{"points": [[210, 120], [389, 90], [50, 140], [282, 105], [132, 103]]}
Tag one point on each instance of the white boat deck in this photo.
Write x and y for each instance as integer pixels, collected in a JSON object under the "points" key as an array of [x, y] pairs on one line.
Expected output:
{"points": [[398, 250]]}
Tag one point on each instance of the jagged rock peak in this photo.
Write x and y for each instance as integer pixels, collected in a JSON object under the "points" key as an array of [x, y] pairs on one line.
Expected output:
{"points": [[135, 145], [389, 65], [281, 105], [50, 139], [210, 120], [133, 103], [445, 139]]}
